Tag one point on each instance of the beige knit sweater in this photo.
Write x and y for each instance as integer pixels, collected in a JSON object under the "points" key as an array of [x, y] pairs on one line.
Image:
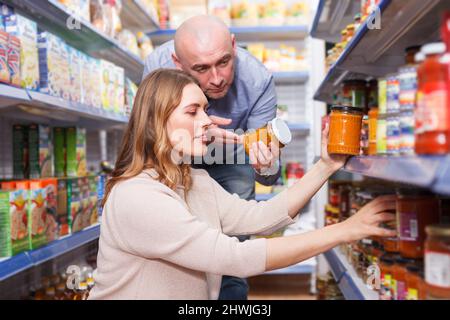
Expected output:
{"points": [[155, 245]]}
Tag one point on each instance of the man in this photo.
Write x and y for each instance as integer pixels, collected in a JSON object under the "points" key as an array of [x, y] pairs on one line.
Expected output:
{"points": [[241, 94]]}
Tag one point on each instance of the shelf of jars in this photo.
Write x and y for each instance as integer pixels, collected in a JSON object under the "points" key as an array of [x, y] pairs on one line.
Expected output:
{"points": [[376, 47]]}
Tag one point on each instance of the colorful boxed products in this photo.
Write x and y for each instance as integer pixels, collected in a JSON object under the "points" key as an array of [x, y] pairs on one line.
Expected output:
{"points": [[76, 165], [40, 151], [37, 214], [49, 63], [29, 58]]}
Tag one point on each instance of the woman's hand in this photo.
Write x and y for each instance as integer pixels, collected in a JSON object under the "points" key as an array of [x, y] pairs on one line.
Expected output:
{"points": [[334, 162], [366, 222], [265, 159]]}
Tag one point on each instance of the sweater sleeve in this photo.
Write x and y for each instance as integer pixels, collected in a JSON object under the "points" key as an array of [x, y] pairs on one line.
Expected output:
{"points": [[153, 224], [243, 217]]}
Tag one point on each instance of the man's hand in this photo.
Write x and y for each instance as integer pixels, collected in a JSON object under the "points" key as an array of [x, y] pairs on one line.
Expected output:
{"points": [[263, 159], [219, 135]]}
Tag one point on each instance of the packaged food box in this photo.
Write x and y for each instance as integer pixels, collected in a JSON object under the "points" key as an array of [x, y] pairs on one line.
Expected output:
{"points": [[64, 71], [49, 49], [101, 183], [74, 207], [62, 208], [85, 97], [4, 69], [29, 58], [119, 90], [107, 85], [14, 60], [14, 236], [75, 75], [37, 214], [96, 79], [130, 94], [93, 200], [52, 226], [76, 165], [9, 19], [59, 151], [85, 198], [20, 152], [40, 151]]}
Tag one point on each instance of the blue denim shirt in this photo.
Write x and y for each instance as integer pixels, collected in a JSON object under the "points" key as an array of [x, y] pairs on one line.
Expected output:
{"points": [[250, 103]]}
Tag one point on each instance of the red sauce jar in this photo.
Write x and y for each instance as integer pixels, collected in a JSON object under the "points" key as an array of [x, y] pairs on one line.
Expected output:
{"points": [[415, 211], [432, 120], [437, 262]]}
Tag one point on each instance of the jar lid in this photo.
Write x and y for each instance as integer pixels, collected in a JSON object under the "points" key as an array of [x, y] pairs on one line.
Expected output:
{"points": [[413, 49], [440, 230], [414, 192], [281, 131], [434, 48], [346, 109], [419, 57]]}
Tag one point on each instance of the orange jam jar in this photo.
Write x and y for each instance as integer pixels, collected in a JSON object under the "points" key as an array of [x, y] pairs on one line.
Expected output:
{"points": [[275, 130], [437, 262], [345, 130]]}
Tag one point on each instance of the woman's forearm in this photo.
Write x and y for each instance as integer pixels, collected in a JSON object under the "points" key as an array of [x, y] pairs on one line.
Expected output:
{"points": [[286, 251], [302, 191]]}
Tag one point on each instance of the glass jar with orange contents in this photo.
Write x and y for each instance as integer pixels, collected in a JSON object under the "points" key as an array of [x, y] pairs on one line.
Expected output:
{"points": [[415, 210], [275, 130], [345, 130], [437, 262], [373, 119], [432, 120]]}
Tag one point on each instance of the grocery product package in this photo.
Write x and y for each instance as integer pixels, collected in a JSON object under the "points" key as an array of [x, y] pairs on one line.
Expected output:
{"points": [[4, 69], [29, 58], [117, 91], [62, 208], [40, 151], [14, 60], [59, 141], [85, 97], [37, 214], [220, 9], [93, 200], [76, 165], [64, 71], [130, 94], [14, 237], [107, 85], [20, 152], [74, 207], [52, 226], [86, 208], [96, 78], [75, 66], [49, 47], [145, 45]]}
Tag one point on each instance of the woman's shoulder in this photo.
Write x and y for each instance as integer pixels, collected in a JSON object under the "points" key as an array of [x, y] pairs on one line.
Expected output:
{"points": [[143, 184]]}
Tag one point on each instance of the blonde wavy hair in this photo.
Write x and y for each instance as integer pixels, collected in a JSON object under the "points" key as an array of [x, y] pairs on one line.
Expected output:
{"points": [[146, 143]]}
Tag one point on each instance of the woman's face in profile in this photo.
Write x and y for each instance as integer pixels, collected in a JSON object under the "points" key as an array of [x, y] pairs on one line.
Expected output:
{"points": [[188, 123]]}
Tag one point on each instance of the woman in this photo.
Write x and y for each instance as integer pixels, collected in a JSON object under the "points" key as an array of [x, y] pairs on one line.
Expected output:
{"points": [[166, 227]]}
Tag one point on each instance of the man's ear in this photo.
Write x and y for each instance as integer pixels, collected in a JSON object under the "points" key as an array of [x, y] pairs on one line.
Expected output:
{"points": [[176, 61], [233, 43]]}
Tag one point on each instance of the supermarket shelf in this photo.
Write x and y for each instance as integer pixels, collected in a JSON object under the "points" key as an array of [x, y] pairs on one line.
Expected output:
{"points": [[54, 17], [352, 287], [246, 34], [291, 77], [376, 52], [424, 171], [136, 18], [12, 266], [35, 106], [333, 16], [10, 95], [295, 269]]}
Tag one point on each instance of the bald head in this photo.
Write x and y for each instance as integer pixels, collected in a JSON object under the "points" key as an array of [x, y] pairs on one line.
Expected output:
{"points": [[205, 49], [200, 34]]}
